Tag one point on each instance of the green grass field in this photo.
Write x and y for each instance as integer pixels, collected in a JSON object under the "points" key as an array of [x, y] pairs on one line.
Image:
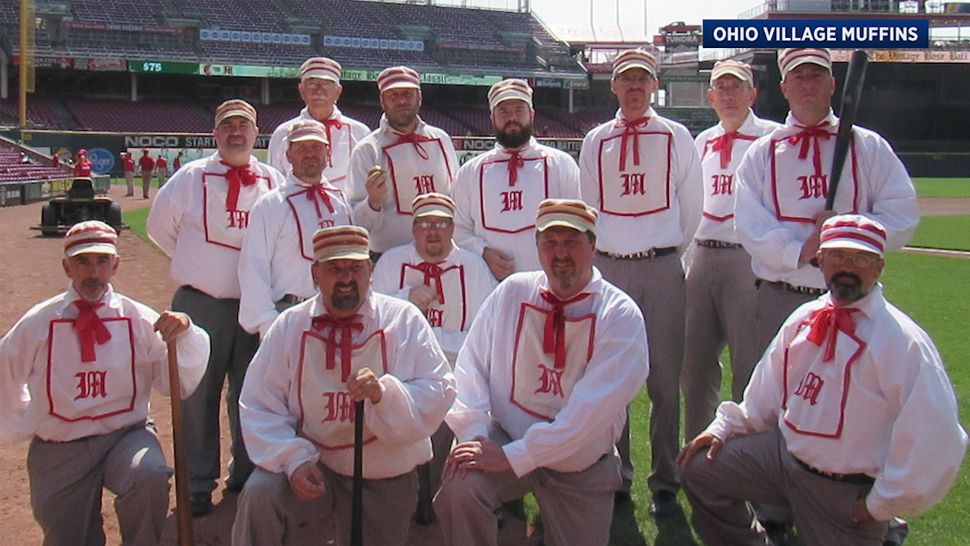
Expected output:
{"points": [[947, 232], [927, 288], [942, 187]]}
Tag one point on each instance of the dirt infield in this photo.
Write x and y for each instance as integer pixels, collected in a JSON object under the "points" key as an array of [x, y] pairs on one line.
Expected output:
{"points": [[31, 273]]}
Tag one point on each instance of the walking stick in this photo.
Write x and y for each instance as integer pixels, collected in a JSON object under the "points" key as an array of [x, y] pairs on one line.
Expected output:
{"points": [[182, 514], [357, 505]]}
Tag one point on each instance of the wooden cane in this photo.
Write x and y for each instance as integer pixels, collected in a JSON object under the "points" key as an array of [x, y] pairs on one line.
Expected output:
{"points": [[357, 502], [182, 507]]}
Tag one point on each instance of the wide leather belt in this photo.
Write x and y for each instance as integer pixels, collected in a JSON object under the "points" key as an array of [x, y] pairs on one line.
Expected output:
{"points": [[860, 479], [712, 243], [290, 299], [792, 288]]}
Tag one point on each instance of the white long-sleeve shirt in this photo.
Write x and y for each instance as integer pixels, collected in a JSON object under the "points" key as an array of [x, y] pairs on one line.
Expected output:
{"points": [[189, 222], [778, 196], [717, 220], [883, 406], [466, 282], [411, 169], [580, 412], [47, 392], [277, 250], [493, 212], [654, 204], [343, 138], [418, 387]]}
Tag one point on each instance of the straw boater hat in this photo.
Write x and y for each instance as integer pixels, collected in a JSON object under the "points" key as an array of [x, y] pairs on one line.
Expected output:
{"points": [[433, 204], [398, 77], [853, 231], [791, 58], [307, 129], [510, 89], [571, 213], [235, 107], [92, 236], [634, 58], [730, 67], [322, 68], [340, 243]]}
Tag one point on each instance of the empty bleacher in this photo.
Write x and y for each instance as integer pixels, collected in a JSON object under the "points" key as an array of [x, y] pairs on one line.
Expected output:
{"points": [[12, 170], [150, 115]]}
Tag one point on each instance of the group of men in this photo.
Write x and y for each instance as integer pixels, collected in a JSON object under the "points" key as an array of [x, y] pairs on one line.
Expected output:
{"points": [[496, 318]]}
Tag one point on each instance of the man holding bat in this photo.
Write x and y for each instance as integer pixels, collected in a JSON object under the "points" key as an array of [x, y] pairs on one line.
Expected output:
{"points": [[76, 373], [344, 345], [784, 180]]}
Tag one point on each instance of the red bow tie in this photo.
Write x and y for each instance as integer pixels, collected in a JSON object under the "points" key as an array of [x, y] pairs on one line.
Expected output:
{"points": [[724, 145], [237, 177], [312, 194], [433, 272], [416, 140], [515, 163], [554, 336], [630, 130], [810, 135], [346, 327], [89, 328], [330, 124], [825, 324]]}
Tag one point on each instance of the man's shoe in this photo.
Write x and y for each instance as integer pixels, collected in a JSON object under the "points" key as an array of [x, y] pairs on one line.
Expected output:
{"points": [[622, 495], [777, 532], [200, 503], [664, 504]]}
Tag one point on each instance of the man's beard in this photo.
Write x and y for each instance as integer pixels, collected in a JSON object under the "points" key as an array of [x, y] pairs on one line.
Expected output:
{"points": [[514, 140], [846, 287], [564, 271], [345, 301]]}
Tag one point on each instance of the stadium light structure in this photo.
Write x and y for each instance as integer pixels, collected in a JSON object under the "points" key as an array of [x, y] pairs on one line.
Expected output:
{"points": [[26, 72]]}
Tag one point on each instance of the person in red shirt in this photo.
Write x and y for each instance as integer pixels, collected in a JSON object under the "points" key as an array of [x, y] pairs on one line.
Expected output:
{"points": [[147, 164], [161, 169], [177, 162], [55, 161], [82, 167], [128, 166]]}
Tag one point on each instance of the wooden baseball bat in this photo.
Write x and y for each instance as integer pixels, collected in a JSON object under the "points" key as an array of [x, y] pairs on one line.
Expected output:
{"points": [[182, 507], [851, 96], [357, 502]]}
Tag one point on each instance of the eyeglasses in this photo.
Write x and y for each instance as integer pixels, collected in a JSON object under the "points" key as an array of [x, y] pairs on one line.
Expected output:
{"points": [[863, 259], [437, 224]]}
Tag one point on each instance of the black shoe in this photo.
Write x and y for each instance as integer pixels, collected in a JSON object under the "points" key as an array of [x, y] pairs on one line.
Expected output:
{"points": [[622, 495], [664, 503], [777, 532], [896, 535], [201, 503]]}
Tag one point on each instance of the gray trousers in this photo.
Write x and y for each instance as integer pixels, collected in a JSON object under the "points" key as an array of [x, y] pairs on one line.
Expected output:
{"points": [[231, 350], [66, 480], [759, 469], [721, 301], [774, 306], [269, 513], [577, 507], [657, 287], [130, 182]]}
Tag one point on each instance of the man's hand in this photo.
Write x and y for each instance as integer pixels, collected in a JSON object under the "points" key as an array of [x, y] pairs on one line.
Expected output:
{"points": [[306, 482], [705, 440], [482, 454], [365, 385], [810, 247], [501, 264], [422, 296], [170, 324], [860, 513], [376, 186]]}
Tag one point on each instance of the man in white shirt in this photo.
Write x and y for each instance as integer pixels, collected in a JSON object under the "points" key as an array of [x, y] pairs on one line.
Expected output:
{"points": [[497, 192], [398, 161], [544, 378], [320, 90], [277, 249], [721, 294], [448, 284], [641, 172], [199, 218], [344, 345], [76, 373], [849, 416]]}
